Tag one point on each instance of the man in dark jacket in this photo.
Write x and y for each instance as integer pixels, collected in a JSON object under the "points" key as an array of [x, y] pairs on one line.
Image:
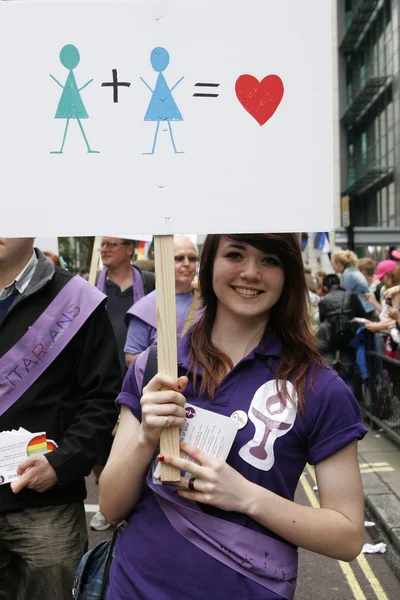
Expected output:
{"points": [[337, 309], [59, 374], [123, 283]]}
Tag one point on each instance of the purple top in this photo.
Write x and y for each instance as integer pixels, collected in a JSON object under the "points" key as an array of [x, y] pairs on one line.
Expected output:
{"points": [[142, 327], [152, 559]]}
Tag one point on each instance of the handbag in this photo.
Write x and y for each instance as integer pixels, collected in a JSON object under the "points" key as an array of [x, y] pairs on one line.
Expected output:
{"points": [[92, 574]]}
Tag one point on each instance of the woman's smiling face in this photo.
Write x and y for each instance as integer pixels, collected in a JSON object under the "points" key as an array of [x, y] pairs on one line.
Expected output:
{"points": [[246, 281]]}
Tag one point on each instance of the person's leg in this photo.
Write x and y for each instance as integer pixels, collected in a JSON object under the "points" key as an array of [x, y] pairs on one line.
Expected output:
{"points": [[98, 521], [348, 366], [10, 565], [9, 575], [50, 542]]}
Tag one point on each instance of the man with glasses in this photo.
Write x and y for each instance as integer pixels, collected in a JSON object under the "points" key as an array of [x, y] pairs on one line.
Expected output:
{"points": [[141, 318], [124, 285]]}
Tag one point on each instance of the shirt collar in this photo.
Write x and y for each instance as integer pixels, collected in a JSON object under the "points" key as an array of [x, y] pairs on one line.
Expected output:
{"points": [[270, 345], [22, 280]]}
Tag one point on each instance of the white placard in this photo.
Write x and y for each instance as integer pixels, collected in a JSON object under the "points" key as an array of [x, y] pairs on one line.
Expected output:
{"points": [[138, 237], [204, 429], [47, 244], [256, 150]]}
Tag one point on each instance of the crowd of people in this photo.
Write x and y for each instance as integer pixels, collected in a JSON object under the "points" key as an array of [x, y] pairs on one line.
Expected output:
{"points": [[252, 340], [361, 295]]}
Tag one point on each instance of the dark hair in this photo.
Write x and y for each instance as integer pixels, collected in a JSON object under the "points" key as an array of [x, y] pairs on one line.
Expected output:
{"points": [[289, 317], [330, 280]]}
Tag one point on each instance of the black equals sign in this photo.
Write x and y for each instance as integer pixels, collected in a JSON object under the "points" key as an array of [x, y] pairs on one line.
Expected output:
{"points": [[207, 94]]}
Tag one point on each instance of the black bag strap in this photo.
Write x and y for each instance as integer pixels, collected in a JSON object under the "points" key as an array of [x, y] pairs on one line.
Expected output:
{"points": [[151, 366], [149, 281], [106, 574]]}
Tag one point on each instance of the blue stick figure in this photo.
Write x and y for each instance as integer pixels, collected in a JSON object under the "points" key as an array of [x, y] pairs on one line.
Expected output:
{"points": [[71, 105], [162, 105]]}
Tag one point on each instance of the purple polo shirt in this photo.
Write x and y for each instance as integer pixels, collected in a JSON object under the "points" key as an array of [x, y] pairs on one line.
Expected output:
{"points": [[141, 331], [152, 560]]}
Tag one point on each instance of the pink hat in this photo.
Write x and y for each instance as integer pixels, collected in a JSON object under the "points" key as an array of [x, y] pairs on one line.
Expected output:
{"points": [[385, 267], [396, 254]]}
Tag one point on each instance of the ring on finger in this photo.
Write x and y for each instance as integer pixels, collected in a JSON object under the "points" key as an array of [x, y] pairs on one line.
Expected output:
{"points": [[191, 484], [167, 423]]}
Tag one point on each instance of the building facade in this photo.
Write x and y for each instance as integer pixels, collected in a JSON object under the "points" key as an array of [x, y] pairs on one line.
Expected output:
{"points": [[369, 114]]}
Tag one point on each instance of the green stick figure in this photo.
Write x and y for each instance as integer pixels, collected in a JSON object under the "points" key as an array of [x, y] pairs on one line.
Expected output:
{"points": [[71, 105]]}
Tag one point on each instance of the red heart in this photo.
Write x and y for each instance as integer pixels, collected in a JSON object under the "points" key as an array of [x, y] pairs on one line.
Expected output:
{"points": [[260, 99]]}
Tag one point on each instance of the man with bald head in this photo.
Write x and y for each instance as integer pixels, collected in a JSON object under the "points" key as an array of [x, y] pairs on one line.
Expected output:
{"points": [[59, 375], [141, 318]]}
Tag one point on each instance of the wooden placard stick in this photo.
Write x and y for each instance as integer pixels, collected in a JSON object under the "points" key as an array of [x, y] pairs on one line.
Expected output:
{"points": [[94, 263], [166, 339]]}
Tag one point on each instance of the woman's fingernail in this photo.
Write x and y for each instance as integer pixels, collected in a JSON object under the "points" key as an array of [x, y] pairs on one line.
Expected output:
{"points": [[179, 387], [159, 478], [160, 457]]}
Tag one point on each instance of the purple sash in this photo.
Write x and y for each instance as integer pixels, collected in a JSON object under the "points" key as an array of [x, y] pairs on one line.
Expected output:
{"points": [[138, 287], [147, 312], [45, 340], [269, 562]]}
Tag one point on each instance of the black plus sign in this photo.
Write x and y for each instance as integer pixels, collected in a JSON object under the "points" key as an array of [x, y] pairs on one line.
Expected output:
{"points": [[115, 84]]}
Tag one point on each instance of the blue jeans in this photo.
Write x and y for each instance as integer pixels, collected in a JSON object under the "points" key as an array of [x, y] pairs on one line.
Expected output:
{"points": [[40, 549]]}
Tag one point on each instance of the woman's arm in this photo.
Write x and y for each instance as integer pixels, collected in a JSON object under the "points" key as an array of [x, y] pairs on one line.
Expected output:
{"points": [[380, 326], [336, 529], [121, 481]]}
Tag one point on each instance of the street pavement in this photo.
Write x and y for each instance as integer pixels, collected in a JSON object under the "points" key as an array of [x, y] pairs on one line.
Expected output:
{"points": [[369, 577]]}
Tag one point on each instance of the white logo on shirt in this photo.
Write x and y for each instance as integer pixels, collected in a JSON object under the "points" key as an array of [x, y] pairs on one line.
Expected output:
{"points": [[272, 418]]}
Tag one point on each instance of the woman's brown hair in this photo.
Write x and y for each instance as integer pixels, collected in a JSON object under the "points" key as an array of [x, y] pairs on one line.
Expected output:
{"points": [[289, 317]]}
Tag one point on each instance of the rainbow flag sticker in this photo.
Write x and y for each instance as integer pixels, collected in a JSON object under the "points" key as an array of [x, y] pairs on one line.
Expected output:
{"points": [[37, 445], [51, 445]]}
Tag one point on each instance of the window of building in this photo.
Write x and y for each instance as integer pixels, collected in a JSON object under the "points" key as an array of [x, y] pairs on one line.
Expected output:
{"points": [[349, 83], [348, 10], [364, 151], [384, 207], [392, 206], [351, 170]]}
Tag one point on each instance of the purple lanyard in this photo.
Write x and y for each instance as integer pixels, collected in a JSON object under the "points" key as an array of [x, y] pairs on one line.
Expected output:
{"points": [[138, 287], [25, 362], [265, 560]]}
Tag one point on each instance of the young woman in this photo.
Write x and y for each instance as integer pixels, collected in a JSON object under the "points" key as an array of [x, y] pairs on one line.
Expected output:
{"points": [[233, 531], [344, 262]]}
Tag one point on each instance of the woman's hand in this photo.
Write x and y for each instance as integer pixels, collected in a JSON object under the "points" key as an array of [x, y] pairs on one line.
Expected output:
{"points": [[216, 482], [392, 292], [162, 406], [393, 313], [369, 297]]}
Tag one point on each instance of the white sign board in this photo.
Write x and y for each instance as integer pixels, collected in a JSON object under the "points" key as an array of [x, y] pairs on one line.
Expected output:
{"points": [[165, 117], [49, 244]]}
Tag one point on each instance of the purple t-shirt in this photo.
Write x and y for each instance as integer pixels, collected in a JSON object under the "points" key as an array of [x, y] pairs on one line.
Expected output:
{"points": [[141, 334], [152, 560]]}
